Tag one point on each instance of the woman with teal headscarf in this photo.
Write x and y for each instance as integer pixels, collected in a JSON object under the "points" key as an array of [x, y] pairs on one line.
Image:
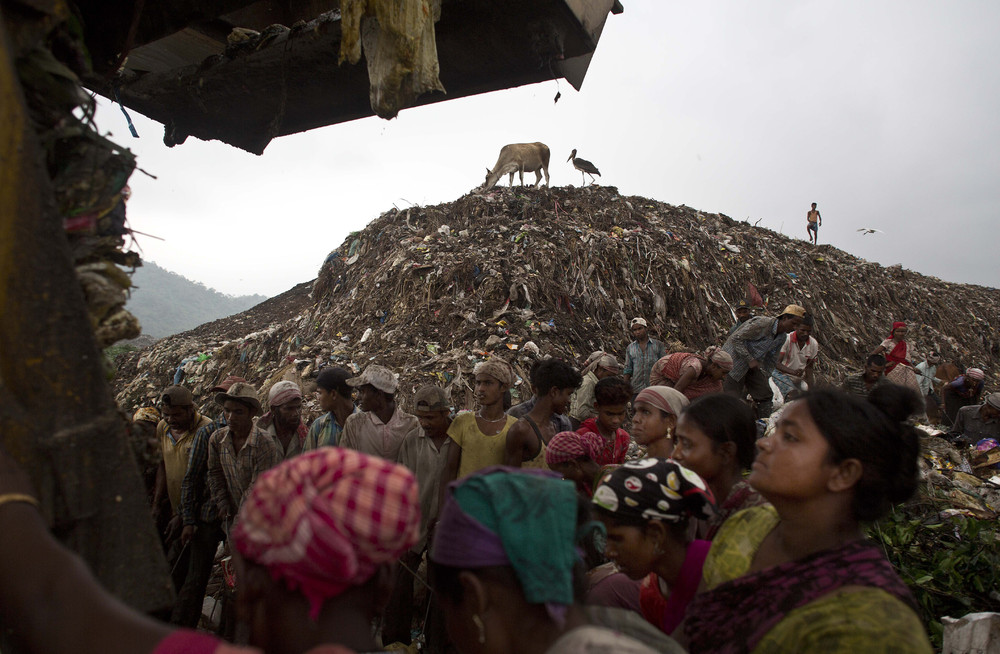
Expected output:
{"points": [[504, 565]]}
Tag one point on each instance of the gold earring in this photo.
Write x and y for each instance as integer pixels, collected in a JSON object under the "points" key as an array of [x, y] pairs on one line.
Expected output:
{"points": [[476, 620]]}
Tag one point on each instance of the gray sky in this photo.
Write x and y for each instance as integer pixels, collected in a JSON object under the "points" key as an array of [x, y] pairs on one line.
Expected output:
{"points": [[884, 113]]}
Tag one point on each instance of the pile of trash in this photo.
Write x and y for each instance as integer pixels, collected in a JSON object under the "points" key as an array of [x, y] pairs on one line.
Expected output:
{"points": [[521, 273]]}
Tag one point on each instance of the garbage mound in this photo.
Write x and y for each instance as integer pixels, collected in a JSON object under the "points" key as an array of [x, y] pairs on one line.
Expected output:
{"points": [[520, 273]]}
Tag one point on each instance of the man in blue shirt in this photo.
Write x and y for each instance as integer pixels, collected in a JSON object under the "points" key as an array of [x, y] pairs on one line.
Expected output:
{"points": [[640, 355]]}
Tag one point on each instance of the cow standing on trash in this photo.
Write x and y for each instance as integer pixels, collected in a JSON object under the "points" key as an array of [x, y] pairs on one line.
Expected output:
{"points": [[518, 158]]}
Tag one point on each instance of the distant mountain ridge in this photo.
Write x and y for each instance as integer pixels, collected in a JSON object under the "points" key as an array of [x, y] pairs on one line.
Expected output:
{"points": [[167, 303]]}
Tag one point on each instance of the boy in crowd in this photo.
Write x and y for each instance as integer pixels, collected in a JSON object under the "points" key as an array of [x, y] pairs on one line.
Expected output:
{"points": [[611, 397]]}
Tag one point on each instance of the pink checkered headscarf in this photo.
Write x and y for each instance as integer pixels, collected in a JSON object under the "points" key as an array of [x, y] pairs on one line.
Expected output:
{"points": [[324, 521], [570, 446]]}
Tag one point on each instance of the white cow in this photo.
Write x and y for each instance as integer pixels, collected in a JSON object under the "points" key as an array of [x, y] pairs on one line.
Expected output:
{"points": [[518, 158]]}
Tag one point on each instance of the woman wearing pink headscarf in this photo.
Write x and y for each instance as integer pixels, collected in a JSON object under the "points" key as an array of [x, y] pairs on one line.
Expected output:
{"points": [[898, 358]]}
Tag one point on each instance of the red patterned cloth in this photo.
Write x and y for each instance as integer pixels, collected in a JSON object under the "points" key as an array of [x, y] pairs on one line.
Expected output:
{"points": [[672, 366], [324, 521], [570, 445], [612, 452]]}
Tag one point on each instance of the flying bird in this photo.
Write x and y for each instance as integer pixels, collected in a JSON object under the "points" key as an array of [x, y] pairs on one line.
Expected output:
{"points": [[869, 230], [584, 166]]}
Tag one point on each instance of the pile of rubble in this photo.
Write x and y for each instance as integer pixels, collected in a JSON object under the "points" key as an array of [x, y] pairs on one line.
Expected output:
{"points": [[518, 273]]}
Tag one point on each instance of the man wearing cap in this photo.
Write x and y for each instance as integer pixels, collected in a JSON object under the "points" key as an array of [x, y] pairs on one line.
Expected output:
{"points": [[425, 453], [381, 426], [175, 434], [974, 423], [337, 399], [237, 453], [743, 314], [640, 355], [754, 348], [283, 420], [964, 390], [202, 531], [581, 405]]}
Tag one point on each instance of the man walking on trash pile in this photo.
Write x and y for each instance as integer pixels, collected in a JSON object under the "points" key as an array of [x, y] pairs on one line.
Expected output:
{"points": [[926, 378], [976, 422], [202, 531], [870, 378], [425, 453], [640, 355], [337, 399], [598, 367], [813, 221], [381, 426], [554, 381], [754, 348], [283, 420]]}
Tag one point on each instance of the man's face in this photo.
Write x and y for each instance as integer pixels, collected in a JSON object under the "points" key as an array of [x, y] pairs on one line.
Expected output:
{"points": [[990, 413], [238, 416], [802, 332], [371, 398], [611, 416], [326, 399], [601, 372], [874, 371], [639, 332], [743, 314], [489, 390], [289, 413], [560, 399], [433, 422], [180, 418]]}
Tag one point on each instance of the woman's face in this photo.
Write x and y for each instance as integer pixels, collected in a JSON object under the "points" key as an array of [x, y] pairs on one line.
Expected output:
{"points": [[650, 424], [793, 462], [695, 450], [899, 333], [715, 371], [631, 550]]}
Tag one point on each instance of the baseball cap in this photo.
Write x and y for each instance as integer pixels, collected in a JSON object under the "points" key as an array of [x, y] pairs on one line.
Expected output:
{"points": [[638, 321], [378, 376], [224, 385], [176, 396], [240, 392], [431, 398], [993, 399], [794, 310]]}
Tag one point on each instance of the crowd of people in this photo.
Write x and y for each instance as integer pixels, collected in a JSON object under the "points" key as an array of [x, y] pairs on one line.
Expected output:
{"points": [[628, 507]]}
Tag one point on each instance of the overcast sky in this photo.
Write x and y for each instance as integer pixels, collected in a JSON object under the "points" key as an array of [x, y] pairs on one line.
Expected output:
{"points": [[884, 113]]}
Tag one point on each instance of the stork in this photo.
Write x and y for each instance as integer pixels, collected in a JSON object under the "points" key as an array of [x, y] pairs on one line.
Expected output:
{"points": [[584, 166]]}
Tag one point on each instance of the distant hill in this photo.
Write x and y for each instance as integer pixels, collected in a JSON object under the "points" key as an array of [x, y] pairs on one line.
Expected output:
{"points": [[167, 303]]}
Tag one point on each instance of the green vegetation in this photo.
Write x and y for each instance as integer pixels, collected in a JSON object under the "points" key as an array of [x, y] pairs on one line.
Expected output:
{"points": [[167, 303], [952, 563]]}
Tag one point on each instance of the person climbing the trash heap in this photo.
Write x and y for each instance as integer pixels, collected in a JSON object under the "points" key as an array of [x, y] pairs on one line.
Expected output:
{"points": [[868, 379], [381, 426], [560, 421], [337, 399], [813, 221], [611, 397], [743, 314], [283, 420], [964, 390], [798, 356], [202, 530], [425, 454], [754, 348], [978, 421], [582, 403], [481, 436], [314, 551], [898, 354], [554, 381], [692, 374], [640, 355]]}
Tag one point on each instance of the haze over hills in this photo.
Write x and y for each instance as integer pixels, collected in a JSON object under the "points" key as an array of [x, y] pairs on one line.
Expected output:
{"points": [[167, 303]]}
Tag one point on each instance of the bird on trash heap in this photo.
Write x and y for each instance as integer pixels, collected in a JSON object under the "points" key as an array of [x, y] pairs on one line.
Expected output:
{"points": [[584, 166]]}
